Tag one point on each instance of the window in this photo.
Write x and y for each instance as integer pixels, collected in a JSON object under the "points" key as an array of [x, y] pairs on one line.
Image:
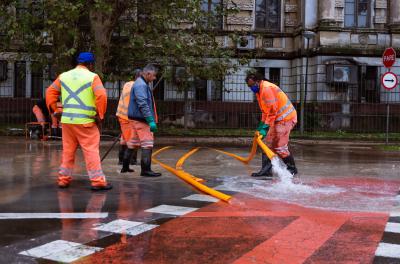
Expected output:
{"points": [[275, 75], [208, 90], [37, 80], [213, 9], [356, 13], [3, 70], [268, 14], [20, 79]]}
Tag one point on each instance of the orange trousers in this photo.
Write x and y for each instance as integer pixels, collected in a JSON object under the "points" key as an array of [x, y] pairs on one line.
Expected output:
{"points": [[136, 134], [88, 137], [278, 137]]}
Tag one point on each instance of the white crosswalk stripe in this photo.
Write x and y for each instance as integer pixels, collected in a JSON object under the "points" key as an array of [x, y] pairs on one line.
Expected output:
{"points": [[171, 210], [61, 251]]}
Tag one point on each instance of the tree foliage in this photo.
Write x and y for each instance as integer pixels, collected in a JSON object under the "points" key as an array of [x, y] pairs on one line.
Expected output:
{"points": [[180, 36]]}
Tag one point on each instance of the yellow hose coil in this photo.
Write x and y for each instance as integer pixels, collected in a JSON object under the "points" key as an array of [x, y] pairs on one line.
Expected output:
{"points": [[189, 179]]}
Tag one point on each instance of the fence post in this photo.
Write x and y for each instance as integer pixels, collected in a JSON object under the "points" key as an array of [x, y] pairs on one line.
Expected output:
{"points": [[301, 105]]}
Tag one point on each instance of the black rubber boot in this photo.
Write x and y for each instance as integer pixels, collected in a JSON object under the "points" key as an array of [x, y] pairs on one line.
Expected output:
{"points": [[291, 166], [134, 157], [126, 160], [54, 132], [145, 164], [59, 131], [121, 152], [266, 169]]}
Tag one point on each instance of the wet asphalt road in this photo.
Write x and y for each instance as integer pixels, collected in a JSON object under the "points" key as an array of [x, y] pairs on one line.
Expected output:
{"points": [[28, 180]]}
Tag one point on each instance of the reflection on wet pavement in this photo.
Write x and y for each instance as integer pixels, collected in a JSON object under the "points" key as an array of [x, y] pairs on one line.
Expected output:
{"points": [[345, 182]]}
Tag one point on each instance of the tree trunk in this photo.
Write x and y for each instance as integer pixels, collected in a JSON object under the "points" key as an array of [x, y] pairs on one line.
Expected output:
{"points": [[103, 22], [102, 26]]}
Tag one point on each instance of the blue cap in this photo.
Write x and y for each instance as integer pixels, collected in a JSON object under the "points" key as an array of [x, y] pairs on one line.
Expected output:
{"points": [[85, 57]]}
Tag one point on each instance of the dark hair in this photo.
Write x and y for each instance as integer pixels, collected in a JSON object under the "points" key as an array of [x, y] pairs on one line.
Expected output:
{"points": [[137, 73], [252, 76]]}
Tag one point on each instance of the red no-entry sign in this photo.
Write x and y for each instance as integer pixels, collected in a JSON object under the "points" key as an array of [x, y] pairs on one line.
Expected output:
{"points": [[389, 57]]}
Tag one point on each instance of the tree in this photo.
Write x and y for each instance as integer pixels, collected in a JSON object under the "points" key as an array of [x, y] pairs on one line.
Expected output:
{"points": [[180, 34]]}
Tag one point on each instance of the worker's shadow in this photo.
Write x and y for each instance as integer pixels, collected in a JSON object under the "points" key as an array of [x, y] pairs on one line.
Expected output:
{"points": [[80, 229]]}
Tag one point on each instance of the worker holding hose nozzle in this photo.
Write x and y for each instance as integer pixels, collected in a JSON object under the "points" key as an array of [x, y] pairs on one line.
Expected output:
{"points": [[278, 119]]}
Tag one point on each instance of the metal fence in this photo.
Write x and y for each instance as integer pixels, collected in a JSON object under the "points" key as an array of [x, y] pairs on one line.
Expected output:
{"points": [[355, 102]]}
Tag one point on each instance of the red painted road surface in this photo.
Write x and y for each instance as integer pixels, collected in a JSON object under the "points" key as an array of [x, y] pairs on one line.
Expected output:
{"points": [[251, 230]]}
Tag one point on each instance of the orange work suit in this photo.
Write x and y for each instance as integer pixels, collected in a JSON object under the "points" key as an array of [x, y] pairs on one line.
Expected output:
{"points": [[279, 113], [122, 114], [85, 135]]}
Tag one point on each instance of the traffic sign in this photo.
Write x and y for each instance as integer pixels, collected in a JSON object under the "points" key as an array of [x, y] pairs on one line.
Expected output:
{"points": [[389, 57], [389, 80]]}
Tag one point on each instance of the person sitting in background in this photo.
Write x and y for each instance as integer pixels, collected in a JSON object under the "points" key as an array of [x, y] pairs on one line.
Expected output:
{"points": [[42, 115]]}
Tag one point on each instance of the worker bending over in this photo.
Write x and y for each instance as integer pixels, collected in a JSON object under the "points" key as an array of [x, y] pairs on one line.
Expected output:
{"points": [[278, 119]]}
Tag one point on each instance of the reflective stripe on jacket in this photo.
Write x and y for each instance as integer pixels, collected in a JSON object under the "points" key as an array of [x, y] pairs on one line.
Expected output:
{"points": [[122, 110], [274, 104], [77, 96]]}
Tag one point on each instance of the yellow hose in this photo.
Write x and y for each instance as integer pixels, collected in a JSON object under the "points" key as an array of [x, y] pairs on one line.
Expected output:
{"points": [[190, 179], [270, 154], [180, 162], [194, 181], [244, 160]]}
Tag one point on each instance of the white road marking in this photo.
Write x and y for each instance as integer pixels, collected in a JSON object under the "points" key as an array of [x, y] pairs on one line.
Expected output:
{"points": [[392, 227], [388, 250], [52, 215], [201, 197], [118, 226], [140, 229], [61, 250], [171, 209]]}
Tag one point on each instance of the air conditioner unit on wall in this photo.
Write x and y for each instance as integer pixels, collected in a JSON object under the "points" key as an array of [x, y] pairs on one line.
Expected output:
{"points": [[246, 43], [340, 73]]}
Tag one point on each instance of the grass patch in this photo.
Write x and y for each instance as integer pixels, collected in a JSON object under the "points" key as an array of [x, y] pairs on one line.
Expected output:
{"points": [[389, 147], [18, 129]]}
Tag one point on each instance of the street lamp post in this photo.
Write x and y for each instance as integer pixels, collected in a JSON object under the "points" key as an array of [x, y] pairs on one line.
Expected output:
{"points": [[303, 99]]}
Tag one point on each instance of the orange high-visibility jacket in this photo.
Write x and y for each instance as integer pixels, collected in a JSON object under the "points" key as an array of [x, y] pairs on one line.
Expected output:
{"points": [[122, 110], [274, 104], [54, 91]]}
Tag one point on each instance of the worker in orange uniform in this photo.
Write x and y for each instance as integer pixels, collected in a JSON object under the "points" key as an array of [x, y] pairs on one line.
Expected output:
{"points": [[84, 101], [42, 115], [278, 119], [142, 111], [127, 151]]}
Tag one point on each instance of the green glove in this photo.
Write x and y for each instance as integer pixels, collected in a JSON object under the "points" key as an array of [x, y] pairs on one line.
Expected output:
{"points": [[152, 124], [263, 129]]}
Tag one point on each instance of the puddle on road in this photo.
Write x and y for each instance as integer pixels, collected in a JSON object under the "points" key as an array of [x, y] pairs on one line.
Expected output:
{"points": [[367, 195]]}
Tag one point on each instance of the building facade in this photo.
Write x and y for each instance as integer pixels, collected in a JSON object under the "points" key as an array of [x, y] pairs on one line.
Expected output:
{"points": [[321, 51]]}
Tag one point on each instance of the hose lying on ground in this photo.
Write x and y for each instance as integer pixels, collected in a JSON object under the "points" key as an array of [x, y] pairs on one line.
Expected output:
{"points": [[196, 182]]}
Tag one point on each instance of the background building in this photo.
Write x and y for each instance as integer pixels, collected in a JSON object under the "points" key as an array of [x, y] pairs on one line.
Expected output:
{"points": [[324, 52]]}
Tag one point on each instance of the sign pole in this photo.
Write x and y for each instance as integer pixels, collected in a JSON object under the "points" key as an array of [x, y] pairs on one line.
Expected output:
{"points": [[387, 117], [389, 81]]}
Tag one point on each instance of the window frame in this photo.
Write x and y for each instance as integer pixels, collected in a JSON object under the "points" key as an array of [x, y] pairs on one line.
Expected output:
{"points": [[220, 25], [269, 28], [356, 14]]}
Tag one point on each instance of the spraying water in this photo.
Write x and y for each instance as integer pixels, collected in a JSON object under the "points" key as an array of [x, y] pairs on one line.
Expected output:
{"points": [[313, 194]]}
